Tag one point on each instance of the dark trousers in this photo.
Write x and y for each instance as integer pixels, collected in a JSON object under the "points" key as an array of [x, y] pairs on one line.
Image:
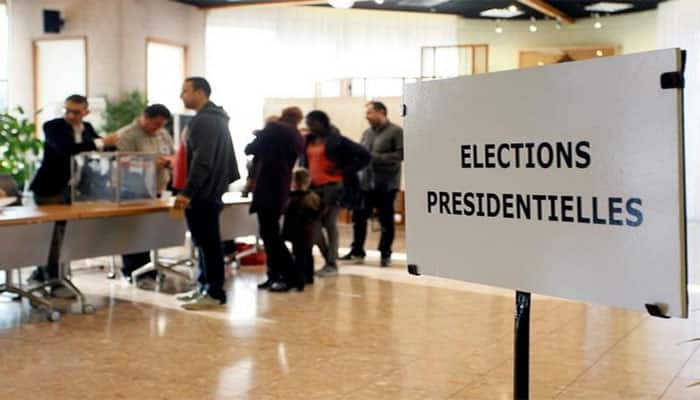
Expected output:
{"points": [[203, 223], [50, 270], [384, 203], [328, 242], [303, 261], [132, 262], [279, 261]]}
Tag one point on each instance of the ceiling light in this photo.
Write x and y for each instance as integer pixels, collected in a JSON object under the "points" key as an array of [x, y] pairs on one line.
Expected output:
{"points": [[557, 25], [597, 24], [608, 7], [501, 13], [379, 1], [533, 27], [341, 3], [599, 53], [499, 29], [513, 8]]}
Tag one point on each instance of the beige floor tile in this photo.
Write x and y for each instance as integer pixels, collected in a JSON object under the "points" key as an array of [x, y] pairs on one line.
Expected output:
{"points": [[370, 333]]}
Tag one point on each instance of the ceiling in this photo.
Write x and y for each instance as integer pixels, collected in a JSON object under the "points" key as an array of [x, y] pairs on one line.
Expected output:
{"points": [[466, 8]]}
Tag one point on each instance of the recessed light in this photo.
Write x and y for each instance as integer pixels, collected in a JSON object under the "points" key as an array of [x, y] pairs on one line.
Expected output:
{"points": [[608, 7], [599, 53], [501, 13]]}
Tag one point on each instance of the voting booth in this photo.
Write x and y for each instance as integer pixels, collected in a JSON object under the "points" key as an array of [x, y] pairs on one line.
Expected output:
{"points": [[565, 180]]}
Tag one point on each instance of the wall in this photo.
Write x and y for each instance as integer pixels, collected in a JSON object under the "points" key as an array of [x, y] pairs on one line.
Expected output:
{"points": [[116, 32], [164, 20], [679, 26], [83, 18], [632, 33]]}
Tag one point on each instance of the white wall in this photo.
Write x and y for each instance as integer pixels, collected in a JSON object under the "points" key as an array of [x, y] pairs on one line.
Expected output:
{"points": [[159, 19], [116, 32], [258, 53], [83, 18], [679, 26], [632, 33]]}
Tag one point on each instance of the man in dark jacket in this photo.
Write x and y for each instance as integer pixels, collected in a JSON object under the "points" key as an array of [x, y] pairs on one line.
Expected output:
{"points": [[276, 149], [380, 182], [63, 138], [211, 166]]}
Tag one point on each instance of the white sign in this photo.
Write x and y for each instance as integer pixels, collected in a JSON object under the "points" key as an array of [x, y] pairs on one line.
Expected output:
{"points": [[564, 180]]}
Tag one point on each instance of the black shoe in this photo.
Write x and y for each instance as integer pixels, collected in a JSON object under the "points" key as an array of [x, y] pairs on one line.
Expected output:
{"points": [[385, 262], [266, 285], [352, 256], [282, 286], [37, 277]]}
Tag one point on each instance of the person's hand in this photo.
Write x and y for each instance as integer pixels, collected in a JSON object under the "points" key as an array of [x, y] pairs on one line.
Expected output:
{"points": [[181, 202], [2, 193], [164, 162], [111, 140]]}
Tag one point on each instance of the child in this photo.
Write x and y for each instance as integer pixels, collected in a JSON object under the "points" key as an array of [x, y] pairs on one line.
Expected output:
{"points": [[304, 209]]}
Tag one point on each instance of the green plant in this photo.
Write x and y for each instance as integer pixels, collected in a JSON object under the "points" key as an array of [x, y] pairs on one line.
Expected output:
{"points": [[19, 147], [123, 111]]}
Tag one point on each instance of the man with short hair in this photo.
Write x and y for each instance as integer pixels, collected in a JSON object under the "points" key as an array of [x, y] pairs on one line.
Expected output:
{"points": [[146, 134], [380, 182], [211, 167], [63, 138]]}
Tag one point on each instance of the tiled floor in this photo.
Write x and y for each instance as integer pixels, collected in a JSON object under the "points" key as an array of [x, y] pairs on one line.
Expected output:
{"points": [[370, 333]]}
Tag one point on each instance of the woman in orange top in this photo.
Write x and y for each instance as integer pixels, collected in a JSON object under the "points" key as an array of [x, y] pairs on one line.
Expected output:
{"points": [[333, 162]]}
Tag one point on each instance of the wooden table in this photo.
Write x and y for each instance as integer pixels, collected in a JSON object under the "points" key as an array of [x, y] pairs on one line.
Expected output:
{"points": [[94, 230]]}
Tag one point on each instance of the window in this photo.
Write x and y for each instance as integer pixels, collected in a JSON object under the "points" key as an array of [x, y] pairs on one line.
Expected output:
{"points": [[57, 79], [3, 58], [440, 62], [166, 70]]}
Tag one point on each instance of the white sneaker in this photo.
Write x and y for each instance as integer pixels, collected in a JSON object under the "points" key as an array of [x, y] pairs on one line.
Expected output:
{"points": [[205, 302], [190, 296]]}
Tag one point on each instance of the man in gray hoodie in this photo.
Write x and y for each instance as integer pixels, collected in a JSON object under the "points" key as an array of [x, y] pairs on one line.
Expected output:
{"points": [[211, 167]]}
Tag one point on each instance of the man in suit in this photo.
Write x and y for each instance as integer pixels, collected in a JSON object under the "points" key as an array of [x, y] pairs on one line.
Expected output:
{"points": [[63, 138]]}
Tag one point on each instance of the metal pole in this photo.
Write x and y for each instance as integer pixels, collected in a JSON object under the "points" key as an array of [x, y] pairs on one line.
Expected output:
{"points": [[521, 359]]}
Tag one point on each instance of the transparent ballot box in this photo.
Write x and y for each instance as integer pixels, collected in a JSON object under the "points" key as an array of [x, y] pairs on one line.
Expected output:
{"points": [[113, 177]]}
